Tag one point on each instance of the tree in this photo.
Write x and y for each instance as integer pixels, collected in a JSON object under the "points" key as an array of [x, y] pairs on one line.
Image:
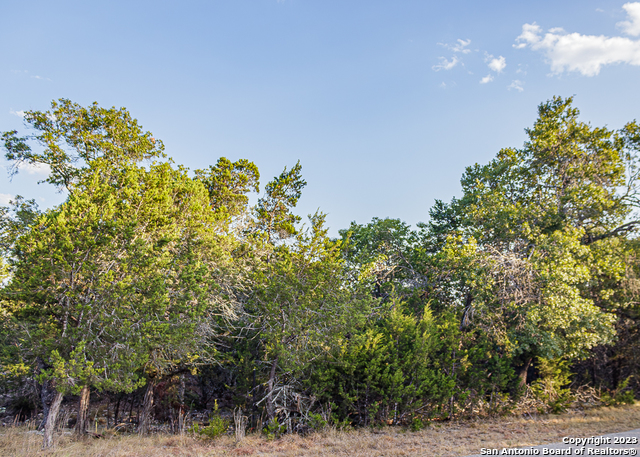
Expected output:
{"points": [[549, 214], [118, 284], [301, 305], [273, 213], [228, 183], [69, 137]]}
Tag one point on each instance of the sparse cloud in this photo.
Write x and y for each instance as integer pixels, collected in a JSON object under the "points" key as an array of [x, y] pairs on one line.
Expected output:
{"points": [[16, 113], [459, 46], [632, 26], [586, 54], [521, 71], [5, 199], [446, 64], [496, 64], [516, 84], [26, 73], [487, 79]]}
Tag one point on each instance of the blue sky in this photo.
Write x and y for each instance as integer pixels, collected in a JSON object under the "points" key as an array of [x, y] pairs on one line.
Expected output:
{"points": [[384, 103]]}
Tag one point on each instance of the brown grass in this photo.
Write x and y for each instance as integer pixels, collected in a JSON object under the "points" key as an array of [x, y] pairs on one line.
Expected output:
{"points": [[446, 439]]}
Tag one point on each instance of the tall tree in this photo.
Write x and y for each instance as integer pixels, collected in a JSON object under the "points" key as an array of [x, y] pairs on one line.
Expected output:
{"points": [[301, 305], [550, 214], [274, 218], [69, 137], [117, 285], [228, 184]]}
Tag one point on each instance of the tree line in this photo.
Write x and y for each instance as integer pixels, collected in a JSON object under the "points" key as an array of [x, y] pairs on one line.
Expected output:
{"points": [[155, 281]]}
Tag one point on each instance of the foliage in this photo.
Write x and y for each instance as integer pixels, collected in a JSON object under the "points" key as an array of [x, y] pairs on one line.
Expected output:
{"points": [[551, 387], [228, 183], [551, 215], [70, 137], [387, 371], [273, 211], [623, 395], [144, 272], [217, 425], [273, 430]]}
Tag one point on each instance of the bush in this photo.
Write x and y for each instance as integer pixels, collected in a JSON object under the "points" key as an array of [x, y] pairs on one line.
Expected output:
{"points": [[273, 429], [416, 424], [623, 395], [217, 425], [550, 387]]}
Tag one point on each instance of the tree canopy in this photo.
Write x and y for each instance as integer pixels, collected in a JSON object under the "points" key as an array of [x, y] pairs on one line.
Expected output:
{"points": [[150, 280]]}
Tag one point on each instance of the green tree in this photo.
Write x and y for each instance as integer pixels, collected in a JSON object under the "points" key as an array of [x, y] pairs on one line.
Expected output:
{"points": [[300, 305], [69, 137], [117, 285], [228, 184], [549, 214], [274, 218]]}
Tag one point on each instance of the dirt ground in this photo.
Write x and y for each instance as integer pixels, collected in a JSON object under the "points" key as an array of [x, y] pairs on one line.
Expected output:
{"points": [[441, 439]]}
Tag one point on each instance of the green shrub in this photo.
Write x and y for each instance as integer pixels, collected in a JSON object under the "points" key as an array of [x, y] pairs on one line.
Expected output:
{"points": [[273, 429], [416, 424], [623, 395], [217, 425], [316, 421], [550, 388]]}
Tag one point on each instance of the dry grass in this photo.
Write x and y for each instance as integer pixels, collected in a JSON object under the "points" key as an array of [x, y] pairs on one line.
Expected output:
{"points": [[447, 439]]}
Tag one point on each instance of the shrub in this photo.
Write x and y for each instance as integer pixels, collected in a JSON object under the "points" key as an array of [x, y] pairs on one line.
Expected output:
{"points": [[623, 395], [217, 425]]}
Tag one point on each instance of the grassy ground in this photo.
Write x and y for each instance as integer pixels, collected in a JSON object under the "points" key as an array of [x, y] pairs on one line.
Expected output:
{"points": [[446, 439]]}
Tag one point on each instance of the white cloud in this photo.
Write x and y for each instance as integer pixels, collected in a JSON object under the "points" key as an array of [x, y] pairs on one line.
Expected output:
{"points": [[446, 64], [5, 198], [631, 27], [586, 54], [487, 79], [530, 35], [517, 85], [496, 64], [16, 113], [35, 169], [459, 46]]}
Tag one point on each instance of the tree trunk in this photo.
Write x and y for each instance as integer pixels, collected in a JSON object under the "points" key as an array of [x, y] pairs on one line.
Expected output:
{"points": [[271, 409], [523, 372], [117, 411], [147, 406], [83, 412], [131, 408], [47, 393], [51, 420], [182, 408]]}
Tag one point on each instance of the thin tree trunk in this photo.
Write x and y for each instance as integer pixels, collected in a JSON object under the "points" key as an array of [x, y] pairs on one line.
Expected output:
{"points": [[47, 393], [83, 412], [523, 372], [131, 408], [117, 411], [181, 400], [147, 406], [271, 409], [51, 420]]}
